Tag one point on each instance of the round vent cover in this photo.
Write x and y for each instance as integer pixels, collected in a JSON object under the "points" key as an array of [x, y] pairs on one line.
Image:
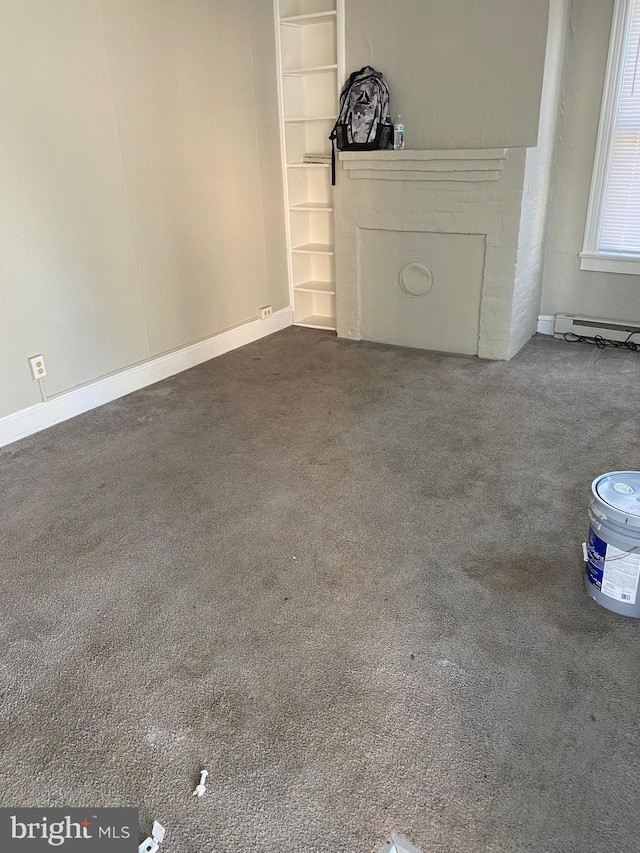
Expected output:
{"points": [[415, 279]]}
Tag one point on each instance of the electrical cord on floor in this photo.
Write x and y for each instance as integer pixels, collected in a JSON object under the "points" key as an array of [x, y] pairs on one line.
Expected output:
{"points": [[601, 343]]}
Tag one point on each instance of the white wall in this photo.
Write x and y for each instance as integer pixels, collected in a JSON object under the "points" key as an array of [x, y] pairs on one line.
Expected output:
{"points": [[537, 184], [131, 223], [567, 289], [463, 73]]}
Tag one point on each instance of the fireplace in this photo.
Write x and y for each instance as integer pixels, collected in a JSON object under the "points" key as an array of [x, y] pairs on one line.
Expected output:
{"points": [[437, 249]]}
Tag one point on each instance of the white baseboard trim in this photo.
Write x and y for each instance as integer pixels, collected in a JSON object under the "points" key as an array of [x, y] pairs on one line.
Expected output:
{"points": [[71, 403], [545, 324]]}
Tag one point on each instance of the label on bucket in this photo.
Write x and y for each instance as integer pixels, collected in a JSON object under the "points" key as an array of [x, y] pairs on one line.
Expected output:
{"points": [[621, 573], [614, 572], [596, 551]]}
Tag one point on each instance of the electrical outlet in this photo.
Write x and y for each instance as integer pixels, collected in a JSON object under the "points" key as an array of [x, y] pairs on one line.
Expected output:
{"points": [[38, 369], [265, 312]]}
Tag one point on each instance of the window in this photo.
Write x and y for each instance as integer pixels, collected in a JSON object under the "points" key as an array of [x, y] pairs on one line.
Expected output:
{"points": [[612, 236]]}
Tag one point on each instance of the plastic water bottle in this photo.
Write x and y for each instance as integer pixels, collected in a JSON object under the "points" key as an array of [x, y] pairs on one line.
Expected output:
{"points": [[398, 133]]}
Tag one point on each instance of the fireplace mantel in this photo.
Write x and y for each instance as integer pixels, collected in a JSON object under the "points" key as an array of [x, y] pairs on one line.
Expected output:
{"points": [[461, 166]]}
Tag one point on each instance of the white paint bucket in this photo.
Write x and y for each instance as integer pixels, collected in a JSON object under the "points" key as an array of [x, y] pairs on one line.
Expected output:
{"points": [[612, 554]]}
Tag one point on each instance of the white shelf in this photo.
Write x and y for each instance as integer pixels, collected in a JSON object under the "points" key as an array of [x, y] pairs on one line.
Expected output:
{"points": [[313, 249], [309, 20], [308, 165], [312, 206], [309, 118], [316, 287], [313, 69], [317, 321]]}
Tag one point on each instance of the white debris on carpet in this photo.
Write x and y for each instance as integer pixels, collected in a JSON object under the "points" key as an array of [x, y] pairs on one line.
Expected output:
{"points": [[201, 788], [395, 844], [152, 844]]}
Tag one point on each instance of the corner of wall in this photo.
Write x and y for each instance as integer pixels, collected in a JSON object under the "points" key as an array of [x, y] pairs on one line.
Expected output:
{"points": [[263, 42], [539, 171]]}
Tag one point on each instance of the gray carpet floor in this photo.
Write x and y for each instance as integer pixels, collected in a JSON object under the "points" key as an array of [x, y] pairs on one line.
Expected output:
{"points": [[346, 579]]}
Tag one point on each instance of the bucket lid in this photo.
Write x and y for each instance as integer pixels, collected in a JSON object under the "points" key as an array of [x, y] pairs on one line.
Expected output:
{"points": [[621, 490]]}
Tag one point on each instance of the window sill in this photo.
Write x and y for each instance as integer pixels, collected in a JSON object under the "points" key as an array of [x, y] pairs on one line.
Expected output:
{"points": [[595, 262]]}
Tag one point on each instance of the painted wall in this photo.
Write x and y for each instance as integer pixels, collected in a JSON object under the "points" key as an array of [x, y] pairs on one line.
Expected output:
{"points": [[537, 184], [566, 288], [131, 223], [463, 73]]}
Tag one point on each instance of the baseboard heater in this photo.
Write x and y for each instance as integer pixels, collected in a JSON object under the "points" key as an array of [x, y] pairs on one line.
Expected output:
{"points": [[612, 330]]}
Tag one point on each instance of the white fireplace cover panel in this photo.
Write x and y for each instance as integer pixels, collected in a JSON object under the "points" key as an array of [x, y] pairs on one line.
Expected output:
{"points": [[421, 289]]}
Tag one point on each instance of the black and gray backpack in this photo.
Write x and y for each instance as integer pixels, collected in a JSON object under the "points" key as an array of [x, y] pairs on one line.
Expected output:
{"points": [[364, 122]]}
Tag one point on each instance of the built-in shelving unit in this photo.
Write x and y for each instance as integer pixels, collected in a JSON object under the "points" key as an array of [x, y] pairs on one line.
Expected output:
{"points": [[310, 47]]}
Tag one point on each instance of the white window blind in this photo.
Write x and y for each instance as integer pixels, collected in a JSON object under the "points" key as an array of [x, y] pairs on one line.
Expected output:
{"points": [[620, 222]]}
